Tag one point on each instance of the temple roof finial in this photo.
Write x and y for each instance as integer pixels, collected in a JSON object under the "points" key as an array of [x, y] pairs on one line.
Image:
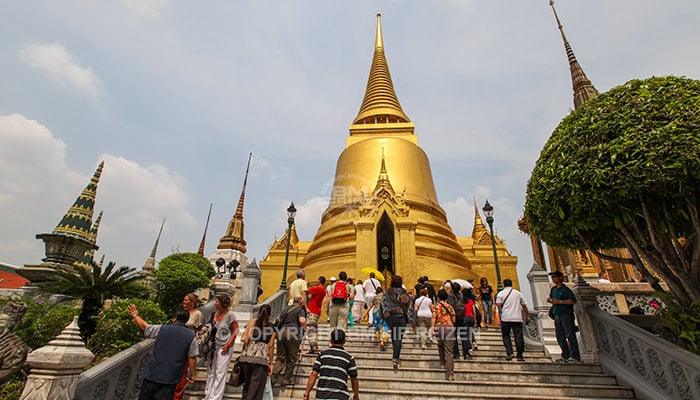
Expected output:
{"points": [[380, 104], [582, 86], [479, 227]]}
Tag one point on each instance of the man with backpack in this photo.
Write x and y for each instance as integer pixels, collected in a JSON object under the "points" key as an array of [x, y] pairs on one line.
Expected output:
{"points": [[290, 326], [563, 300], [395, 305], [455, 299], [339, 305]]}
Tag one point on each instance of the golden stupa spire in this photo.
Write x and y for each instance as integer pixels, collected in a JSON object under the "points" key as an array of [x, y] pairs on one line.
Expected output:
{"points": [[479, 227], [233, 239], [383, 179], [380, 104], [582, 86]]}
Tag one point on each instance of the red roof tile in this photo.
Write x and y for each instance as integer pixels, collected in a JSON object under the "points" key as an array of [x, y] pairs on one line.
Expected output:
{"points": [[10, 280]]}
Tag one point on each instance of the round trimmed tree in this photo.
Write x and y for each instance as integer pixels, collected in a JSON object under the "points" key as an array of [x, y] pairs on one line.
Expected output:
{"points": [[179, 274], [623, 170]]}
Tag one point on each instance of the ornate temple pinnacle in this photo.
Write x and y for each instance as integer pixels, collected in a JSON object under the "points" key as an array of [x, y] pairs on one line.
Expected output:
{"points": [[200, 251], [77, 221], [234, 239], [380, 104], [479, 227], [582, 87], [87, 258]]}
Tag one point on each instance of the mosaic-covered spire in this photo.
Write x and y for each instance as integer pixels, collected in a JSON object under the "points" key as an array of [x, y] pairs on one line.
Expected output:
{"points": [[87, 258], [380, 104], [77, 221], [233, 239], [200, 251], [582, 86]]}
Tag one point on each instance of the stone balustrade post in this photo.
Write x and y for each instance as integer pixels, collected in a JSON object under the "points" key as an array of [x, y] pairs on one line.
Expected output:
{"points": [[56, 367], [540, 287], [249, 287], [586, 298]]}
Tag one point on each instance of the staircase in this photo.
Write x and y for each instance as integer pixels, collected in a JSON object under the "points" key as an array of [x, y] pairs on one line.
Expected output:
{"points": [[485, 376]]}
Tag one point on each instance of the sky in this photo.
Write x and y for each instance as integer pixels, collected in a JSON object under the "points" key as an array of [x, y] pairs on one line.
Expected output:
{"points": [[174, 95]]}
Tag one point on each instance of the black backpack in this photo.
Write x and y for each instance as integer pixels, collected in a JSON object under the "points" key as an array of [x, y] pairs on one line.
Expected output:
{"points": [[460, 309]]}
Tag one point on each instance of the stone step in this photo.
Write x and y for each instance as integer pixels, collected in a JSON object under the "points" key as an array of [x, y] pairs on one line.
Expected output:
{"points": [[432, 355]]}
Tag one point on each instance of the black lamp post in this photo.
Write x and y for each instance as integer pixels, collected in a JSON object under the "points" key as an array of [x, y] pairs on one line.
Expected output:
{"points": [[488, 211], [291, 212], [219, 263], [232, 268]]}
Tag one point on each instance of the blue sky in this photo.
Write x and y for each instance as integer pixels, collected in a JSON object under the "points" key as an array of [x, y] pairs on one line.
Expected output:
{"points": [[173, 95]]}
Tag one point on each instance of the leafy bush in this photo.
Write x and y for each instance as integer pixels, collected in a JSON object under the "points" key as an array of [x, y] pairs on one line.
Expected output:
{"points": [[12, 390], [179, 274], [43, 320], [679, 324], [116, 329]]}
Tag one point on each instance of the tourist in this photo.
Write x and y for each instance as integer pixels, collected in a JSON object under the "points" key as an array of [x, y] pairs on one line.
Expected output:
{"points": [[351, 304], [603, 277], [318, 294], [175, 351], [431, 290], [339, 308], [563, 300], [470, 317], [327, 300], [455, 299], [395, 305], [359, 304], [292, 322], [486, 297], [332, 369], [194, 322], [226, 326], [512, 305], [381, 329], [371, 285], [298, 287], [443, 325], [257, 354], [423, 308]]}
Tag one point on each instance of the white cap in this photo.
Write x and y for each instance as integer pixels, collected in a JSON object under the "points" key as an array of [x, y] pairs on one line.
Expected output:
{"points": [[333, 279]]}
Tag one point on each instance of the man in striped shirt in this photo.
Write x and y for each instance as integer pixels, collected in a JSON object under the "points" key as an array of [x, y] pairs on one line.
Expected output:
{"points": [[332, 369]]}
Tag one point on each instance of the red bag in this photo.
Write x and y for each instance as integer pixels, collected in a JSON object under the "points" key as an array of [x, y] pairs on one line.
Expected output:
{"points": [[340, 293]]}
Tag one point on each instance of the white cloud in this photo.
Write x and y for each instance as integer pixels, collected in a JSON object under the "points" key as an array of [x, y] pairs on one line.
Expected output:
{"points": [[146, 8], [37, 187], [61, 66]]}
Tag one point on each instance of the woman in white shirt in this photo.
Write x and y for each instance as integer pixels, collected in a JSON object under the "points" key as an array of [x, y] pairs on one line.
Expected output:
{"points": [[423, 307], [359, 302]]}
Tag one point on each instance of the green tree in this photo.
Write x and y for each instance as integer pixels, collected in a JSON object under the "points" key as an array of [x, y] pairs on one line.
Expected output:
{"points": [[93, 287], [179, 274], [623, 170], [116, 329]]}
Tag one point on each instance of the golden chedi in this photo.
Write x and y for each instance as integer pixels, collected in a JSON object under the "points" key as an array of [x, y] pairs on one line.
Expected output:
{"points": [[383, 210]]}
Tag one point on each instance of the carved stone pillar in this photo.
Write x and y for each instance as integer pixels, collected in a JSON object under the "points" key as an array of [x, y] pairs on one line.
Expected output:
{"points": [[540, 287], [249, 288], [56, 367], [585, 298]]}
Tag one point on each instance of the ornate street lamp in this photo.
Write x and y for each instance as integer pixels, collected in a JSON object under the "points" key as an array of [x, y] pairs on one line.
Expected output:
{"points": [[291, 212], [488, 211]]}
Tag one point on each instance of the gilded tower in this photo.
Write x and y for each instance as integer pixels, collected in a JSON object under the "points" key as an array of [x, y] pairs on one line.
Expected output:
{"points": [[383, 210], [232, 244]]}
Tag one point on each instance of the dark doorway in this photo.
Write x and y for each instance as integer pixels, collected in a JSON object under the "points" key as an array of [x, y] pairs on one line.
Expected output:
{"points": [[385, 246]]}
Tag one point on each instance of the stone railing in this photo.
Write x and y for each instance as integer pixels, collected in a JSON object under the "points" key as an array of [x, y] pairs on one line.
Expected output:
{"points": [[118, 377], [653, 367], [277, 302]]}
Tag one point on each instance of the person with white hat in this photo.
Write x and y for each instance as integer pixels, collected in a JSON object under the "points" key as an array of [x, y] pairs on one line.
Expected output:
{"points": [[329, 293]]}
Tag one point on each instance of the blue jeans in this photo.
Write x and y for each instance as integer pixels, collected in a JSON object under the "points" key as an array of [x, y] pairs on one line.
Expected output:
{"points": [[397, 324], [517, 328], [488, 313], [566, 336]]}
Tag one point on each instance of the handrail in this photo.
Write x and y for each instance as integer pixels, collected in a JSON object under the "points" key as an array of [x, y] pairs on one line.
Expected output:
{"points": [[656, 368], [118, 377], [277, 302]]}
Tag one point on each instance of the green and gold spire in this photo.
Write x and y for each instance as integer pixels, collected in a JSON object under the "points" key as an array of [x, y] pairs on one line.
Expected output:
{"points": [[78, 220], [582, 86], [87, 258], [380, 104]]}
